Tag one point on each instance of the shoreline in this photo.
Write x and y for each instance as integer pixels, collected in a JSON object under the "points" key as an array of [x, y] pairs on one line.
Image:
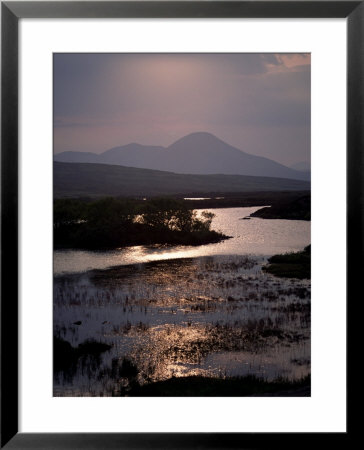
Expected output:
{"points": [[133, 266], [260, 259], [172, 319]]}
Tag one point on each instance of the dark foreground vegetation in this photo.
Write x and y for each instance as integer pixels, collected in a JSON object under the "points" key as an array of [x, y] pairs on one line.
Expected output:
{"points": [[65, 357], [197, 386], [298, 208], [87, 355], [113, 223], [291, 265], [184, 316]]}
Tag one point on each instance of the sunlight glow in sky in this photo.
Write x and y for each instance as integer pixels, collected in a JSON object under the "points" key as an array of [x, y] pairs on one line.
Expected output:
{"points": [[259, 103]]}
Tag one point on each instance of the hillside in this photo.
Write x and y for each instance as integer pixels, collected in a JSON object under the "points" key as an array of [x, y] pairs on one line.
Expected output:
{"points": [[197, 153], [302, 166], [97, 180]]}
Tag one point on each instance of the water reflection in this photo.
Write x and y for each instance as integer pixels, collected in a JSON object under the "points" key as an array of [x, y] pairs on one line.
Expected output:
{"points": [[213, 316], [255, 237]]}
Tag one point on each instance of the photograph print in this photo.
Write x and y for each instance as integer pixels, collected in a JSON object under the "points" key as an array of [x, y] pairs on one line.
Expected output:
{"points": [[182, 224]]}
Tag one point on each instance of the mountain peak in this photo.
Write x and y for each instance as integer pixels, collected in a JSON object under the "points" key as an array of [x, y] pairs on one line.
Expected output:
{"points": [[202, 134], [198, 138], [197, 153]]}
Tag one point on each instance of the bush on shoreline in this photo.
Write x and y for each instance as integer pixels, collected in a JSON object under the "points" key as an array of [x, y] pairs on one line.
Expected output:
{"points": [[112, 223]]}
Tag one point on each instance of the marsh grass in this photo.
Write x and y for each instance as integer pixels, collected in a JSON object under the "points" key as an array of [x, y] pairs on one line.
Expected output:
{"points": [[291, 265], [168, 318]]}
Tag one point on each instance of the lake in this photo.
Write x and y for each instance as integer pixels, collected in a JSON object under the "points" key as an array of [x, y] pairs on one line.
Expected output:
{"points": [[165, 312], [249, 237]]}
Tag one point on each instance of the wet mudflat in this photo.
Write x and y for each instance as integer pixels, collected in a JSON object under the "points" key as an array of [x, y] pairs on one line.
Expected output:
{"points": [[209, 317]]}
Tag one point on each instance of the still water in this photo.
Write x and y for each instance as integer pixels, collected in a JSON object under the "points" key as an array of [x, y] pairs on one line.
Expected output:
{"points": [[254, 236], [212, 316], [178, 311]]}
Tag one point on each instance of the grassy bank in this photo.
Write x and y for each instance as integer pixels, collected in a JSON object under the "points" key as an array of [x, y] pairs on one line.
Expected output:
{"points": [[298, 208], [197, 386], [291, 265]]}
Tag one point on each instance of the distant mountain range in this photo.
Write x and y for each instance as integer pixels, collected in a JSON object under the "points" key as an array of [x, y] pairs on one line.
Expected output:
{"points": [[97, 180], [197, 153], [302, 166]]}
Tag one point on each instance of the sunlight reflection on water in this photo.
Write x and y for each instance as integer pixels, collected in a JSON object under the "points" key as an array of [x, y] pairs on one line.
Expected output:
{"points": [[252, 237], [211, 316]]}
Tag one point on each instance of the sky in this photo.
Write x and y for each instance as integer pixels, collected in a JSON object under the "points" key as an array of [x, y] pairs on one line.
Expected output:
{"points": [[259, 103]]}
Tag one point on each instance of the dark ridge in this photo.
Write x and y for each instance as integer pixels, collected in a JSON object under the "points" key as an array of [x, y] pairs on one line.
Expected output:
{"points": [[98, 180]]}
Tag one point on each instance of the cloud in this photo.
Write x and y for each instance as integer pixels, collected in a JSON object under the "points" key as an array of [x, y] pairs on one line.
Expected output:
{"points": [[104, 100]]}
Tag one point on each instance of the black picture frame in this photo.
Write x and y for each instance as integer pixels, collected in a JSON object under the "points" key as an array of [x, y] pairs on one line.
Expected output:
{"points": [[11, 12]]}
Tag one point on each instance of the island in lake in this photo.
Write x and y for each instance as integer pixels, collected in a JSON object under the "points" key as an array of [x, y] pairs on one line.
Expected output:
{"points": [[183, 268], [146, 306]]}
